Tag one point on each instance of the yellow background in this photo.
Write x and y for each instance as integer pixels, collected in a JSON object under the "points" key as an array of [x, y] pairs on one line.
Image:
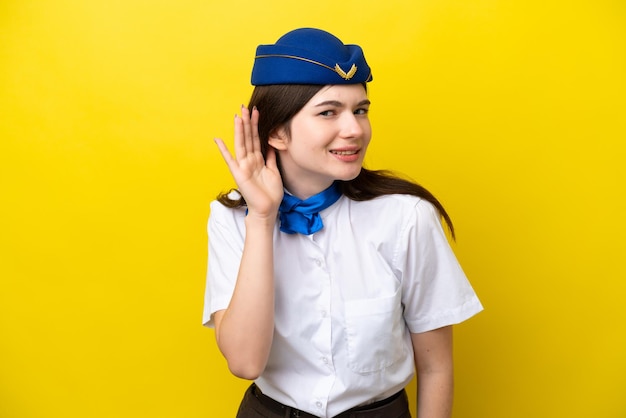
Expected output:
{"points": [[512, 113]]}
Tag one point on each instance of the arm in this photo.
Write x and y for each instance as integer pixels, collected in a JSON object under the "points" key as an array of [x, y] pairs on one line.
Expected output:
{"points": [[434, 365], [245, 329]]}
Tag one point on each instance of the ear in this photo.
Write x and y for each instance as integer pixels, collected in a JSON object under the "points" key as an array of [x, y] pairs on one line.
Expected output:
{"points": [[278, 139]]}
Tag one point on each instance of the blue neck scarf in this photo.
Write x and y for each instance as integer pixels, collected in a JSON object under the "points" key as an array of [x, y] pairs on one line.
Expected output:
{"points": [[303, 216]]}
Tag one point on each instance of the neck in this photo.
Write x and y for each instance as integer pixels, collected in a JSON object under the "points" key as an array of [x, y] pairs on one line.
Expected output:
{"points": [[305, 190], [303, 216]]}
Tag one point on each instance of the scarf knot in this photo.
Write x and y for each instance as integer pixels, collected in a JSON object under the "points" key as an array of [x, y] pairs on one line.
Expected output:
{"points": [[303, 216]]}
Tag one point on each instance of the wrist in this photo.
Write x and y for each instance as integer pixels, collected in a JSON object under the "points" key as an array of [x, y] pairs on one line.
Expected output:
{"points": [[254, 220]]}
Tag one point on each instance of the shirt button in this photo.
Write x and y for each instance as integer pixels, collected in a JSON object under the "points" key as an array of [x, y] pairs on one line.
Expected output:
{"points": [[318, 404], [324, 314], [318, 263], [325, 360]]}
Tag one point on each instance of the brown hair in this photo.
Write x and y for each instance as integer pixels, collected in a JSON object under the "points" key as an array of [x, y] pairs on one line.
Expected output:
{"points": [[279, 103]]}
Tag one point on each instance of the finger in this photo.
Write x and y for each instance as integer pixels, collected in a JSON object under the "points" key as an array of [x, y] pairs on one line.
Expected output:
{"points": [[240, 146], [256, 141], [247, 129], [228, 158], [270, 159]]}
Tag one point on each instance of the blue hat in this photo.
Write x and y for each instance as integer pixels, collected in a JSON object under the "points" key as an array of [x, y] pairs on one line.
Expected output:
{"points": [[309, 56]]}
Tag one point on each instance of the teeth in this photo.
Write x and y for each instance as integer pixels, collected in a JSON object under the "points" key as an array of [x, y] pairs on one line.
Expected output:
{"points": [[344, 152]]}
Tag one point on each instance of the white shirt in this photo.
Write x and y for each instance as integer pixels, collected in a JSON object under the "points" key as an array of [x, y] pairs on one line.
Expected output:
{"points": [[347, 298]]}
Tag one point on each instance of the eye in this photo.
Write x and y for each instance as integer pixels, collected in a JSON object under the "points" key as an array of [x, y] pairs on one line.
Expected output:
{"points": [[327, 113], [361, 111]]}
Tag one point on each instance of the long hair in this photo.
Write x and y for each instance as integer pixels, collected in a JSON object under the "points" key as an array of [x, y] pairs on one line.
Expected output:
{"points": [[278, 104]]}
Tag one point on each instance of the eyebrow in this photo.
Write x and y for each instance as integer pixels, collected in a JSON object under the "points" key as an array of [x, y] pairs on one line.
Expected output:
{"points": [[337, 103]]}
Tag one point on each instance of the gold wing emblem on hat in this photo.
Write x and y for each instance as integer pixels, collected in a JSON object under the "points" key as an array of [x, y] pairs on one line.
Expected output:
{"points": [[345, 75]]}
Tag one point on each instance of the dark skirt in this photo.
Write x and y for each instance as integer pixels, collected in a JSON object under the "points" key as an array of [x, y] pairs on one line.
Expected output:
{"points": [[257, 405]]}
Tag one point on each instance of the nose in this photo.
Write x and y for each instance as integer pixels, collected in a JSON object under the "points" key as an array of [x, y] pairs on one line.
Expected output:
{"points": [[351, 126]]}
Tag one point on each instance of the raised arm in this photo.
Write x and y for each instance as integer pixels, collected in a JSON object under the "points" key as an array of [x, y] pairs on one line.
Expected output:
{"points": [[244, 330]]}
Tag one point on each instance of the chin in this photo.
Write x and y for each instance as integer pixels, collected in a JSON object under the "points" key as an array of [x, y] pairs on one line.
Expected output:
{"points": [[350, 175]]}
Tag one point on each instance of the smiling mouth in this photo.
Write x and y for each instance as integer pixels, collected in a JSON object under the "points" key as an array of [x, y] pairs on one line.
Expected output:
{"points": [[344, 152]]}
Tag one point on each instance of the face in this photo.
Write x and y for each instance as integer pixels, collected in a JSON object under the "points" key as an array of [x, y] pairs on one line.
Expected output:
{"points": [[327, 142]]}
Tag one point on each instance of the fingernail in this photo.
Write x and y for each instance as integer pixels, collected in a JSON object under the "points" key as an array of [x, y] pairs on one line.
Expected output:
{"points": [[254, 108]]}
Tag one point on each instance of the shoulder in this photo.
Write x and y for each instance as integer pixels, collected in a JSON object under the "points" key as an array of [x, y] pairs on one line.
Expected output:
{"points": [[225, 217], [395, 207], [391, 217]]}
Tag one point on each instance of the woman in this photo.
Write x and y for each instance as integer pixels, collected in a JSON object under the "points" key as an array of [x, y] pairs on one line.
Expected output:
{"points": [[328, 284]]}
